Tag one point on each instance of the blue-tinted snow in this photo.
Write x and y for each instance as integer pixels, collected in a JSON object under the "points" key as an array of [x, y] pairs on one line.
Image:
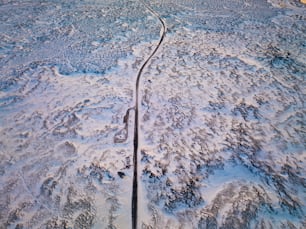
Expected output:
{"points": [[222, 114]]}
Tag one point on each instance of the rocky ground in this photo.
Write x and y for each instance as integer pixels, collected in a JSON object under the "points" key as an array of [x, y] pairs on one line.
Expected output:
{"points": [[222, 114]]}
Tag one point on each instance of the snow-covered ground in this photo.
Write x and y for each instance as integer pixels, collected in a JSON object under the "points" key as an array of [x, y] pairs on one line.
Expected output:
{"points": [[222, 114]]}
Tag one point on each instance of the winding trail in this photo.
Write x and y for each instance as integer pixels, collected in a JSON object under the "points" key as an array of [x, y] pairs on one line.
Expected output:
{"points": [[136, 121]]}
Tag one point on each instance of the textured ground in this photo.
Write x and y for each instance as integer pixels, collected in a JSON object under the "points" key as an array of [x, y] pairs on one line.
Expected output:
{"points": [[222, 114]]}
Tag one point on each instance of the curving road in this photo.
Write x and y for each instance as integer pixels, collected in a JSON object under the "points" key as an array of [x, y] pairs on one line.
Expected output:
{"points": [[136, 122]]}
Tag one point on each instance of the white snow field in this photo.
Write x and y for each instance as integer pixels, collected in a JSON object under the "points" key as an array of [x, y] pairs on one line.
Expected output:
{"points": [[219, 109]]}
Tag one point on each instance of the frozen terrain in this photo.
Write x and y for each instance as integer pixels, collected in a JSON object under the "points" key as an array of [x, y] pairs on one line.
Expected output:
{"points": [[221, 114]]}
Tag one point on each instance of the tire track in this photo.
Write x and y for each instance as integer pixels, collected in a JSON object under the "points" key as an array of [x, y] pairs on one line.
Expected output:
{"points": [[136, 121]]}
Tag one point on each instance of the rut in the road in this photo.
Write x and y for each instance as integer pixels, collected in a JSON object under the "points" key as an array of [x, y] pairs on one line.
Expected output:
{"points": [[136, 122]]}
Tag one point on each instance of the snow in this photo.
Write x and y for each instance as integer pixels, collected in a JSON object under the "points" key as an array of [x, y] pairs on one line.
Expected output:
{"points": [[221, 119]]}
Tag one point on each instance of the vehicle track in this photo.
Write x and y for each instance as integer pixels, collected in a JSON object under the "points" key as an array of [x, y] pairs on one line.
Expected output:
{"points": [[136, 121]]}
